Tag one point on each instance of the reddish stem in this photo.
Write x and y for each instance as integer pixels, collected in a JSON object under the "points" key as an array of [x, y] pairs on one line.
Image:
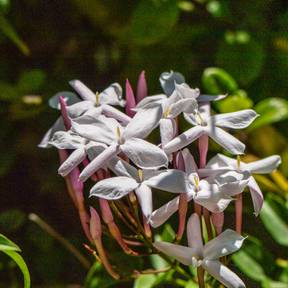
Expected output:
{"points": [[239, 210]]}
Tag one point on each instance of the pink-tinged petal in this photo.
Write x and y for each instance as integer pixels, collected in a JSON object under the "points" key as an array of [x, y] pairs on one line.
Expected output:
{"points": [[182, 254], [75, 158], [227, 141], [256, 195], [142, 90], [180, 164], [99, 162], [223, 274], [130, 100], [194, 234], [203, 149], [66, 119], [184, 139], [224, 244], [264, 166], [112, 112], [144, 196], [168, 130], [235, 120], [190, 164], [218, 221], [83, 91], [113, 188]]}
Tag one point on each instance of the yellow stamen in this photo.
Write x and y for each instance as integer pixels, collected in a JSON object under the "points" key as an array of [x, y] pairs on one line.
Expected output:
{"points": [[166, 112], [118, 132], [238, 161], [140, 175], [199, 119], [196, 180], [97, 98]]}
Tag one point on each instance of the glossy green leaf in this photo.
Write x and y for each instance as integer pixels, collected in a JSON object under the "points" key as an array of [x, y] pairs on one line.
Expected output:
{"points": [[268, 283], [145, 281], [218, 81], [271, 110], [274, 223], [21, 264], [243, 60], [235, 102], [7, 245], [7, 29], [248, 265], [153, 20]]}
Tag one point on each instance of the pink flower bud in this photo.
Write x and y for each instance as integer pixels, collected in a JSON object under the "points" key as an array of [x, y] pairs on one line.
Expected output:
{"points": [[66, 119], [141, 87], [130, 100]]}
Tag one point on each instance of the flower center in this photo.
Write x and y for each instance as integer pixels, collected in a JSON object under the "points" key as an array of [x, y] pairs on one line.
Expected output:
{"points": [[140, 174], [119, 136], [166, 112], [196, 262], [199, 119], [238, 162]]}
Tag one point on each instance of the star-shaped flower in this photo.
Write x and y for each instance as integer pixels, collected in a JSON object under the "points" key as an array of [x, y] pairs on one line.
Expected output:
{"points": [[117, 187], [207, 256], [204, 124], [214, 194], [221, 162], [128, 140]]}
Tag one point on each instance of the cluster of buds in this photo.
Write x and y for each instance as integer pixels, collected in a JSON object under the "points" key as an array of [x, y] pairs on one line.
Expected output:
{"points": [[99, 142]]}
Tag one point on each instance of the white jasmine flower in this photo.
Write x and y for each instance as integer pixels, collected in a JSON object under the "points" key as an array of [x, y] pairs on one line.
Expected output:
{"points": [[267, 165], [207, 256]]}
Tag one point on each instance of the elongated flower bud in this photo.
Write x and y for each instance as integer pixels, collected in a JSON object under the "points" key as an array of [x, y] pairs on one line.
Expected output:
{"points": [[142, 90], [66, 119], [130, 100]]}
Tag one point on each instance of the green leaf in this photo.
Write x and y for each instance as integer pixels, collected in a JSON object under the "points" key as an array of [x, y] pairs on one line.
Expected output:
{"points": [[10, 33], [248, 266], [218, 81], [271, 110], [274, 223], [21, 264], [7, 245], [235, 102], [243, 60], [145, 281], [268, 283], [152, 20], [191, 284], [168, 233]]}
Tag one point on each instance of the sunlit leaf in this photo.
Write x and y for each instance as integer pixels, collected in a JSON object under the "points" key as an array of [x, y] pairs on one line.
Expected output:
{"points": [[218, 81], [145, 281], [21, 264], [274, 223], [153, 20], [7, 245], [271, 110]]}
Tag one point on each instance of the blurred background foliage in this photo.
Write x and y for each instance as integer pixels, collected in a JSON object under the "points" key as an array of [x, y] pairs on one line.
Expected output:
{"points": [[221, 46]]}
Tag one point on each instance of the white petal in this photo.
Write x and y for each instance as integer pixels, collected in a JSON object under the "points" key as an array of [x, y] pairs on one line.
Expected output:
{"points": [[112, 95], [75, 158], [99, 129], [144, 121], [83, 91], [183, 105], [144, 196], [232, 182], [162, 214], [256, 195], [181, 253], [227, 141], [184, 139], [220, 161], [168, 80], [113, 188], [190, 164], [186, 92], [170, 180], [67, 140], [112, 112], [122, 168], [79, 108], [211, 198], [149, 100], [99, 162], [194, 234], [144, 154], [264, 166], [224, 244], [167, 130], [223, 274], [209, 98], [235, 120], [190, 118], [57, 126]]}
